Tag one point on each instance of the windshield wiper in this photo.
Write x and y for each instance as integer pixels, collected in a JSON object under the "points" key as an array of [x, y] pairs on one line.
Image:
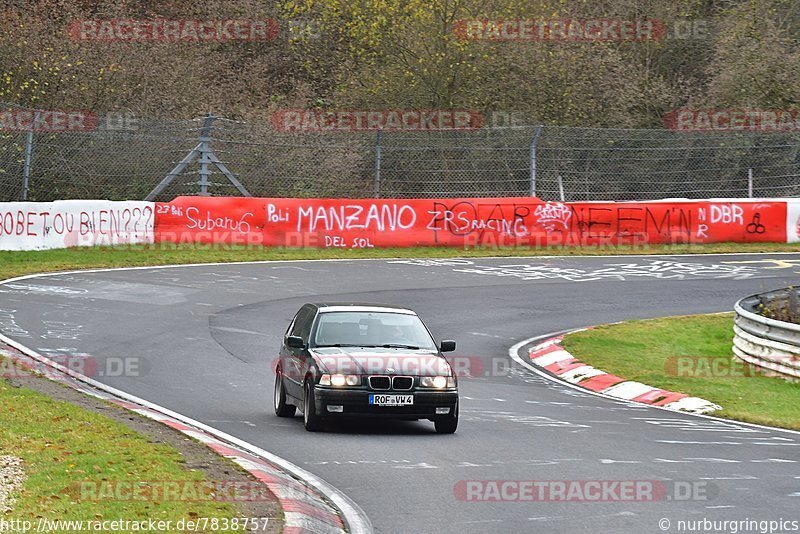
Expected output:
{"points": [[343, 345], [385, 346]]}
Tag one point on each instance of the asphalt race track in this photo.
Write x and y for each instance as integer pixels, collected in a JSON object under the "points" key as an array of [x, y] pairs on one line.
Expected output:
{"points": [[206, 337]]}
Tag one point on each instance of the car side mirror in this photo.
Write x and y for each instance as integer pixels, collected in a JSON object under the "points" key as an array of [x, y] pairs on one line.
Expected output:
{"points": [[447, 346], [295, 342]]}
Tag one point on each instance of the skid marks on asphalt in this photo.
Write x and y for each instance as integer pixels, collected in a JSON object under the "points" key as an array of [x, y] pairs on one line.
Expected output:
{"points": [[719, 433], [525, 376], [490, 416], [25, 288], [700, 425], [464, 464], [358, 462], [392, 464], [613, 270], [697, 442], [575, 406], [522, 464]]}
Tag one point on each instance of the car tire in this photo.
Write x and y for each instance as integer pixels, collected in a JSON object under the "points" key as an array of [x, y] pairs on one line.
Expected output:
{"points": [[282, 408], [311, 420], [447, 425]]}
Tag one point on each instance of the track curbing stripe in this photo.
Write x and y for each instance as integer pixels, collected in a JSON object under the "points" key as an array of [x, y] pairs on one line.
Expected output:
{"points": [[515, 353], [550, 351]]}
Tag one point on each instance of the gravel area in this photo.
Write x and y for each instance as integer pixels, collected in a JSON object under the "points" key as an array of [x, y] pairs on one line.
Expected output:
{"points": [[11, 478]]}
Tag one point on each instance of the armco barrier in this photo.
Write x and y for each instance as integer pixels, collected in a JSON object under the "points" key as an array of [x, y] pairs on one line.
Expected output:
{"points": [[72, 223], [466, 222], [772, 345], [368, 223]]}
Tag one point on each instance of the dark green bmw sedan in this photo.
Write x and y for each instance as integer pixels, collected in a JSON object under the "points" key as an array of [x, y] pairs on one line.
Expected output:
{"points": [[357, 360]]}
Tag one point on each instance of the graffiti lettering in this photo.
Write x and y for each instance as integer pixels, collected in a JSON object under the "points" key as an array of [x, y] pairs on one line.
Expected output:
{"points": [[356, 217], [207, 222], [726, 214], [479, 222], [657, 269], [553, 215], [463, 219]]}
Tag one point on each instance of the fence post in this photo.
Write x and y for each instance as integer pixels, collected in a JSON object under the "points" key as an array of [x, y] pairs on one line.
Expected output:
{"points": [[377, 184], [750, 182], [26, 166], [205, 152], [560, 188], [536, 133]]}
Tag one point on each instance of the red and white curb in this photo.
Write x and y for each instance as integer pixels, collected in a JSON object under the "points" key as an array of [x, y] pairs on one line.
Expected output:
{"points": [[308, 504], [552, 357]]}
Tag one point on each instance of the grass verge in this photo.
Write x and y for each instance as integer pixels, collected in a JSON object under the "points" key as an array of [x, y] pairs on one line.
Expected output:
{"points": [[14, 263], [691, 355], [74, 459]]}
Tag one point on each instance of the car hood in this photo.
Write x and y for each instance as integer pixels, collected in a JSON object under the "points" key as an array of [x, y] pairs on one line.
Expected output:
{"points": [[379, 361]]}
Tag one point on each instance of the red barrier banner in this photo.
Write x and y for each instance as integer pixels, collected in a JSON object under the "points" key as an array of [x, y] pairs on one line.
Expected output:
{"points": [[464, 222]]}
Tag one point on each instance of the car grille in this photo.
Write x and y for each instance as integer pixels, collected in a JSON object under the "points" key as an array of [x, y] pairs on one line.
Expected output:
{"points": [[402, 382], [379, 382]]}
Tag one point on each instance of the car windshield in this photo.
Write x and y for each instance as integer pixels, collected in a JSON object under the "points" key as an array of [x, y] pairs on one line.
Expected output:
{"points": [[372, 329]]}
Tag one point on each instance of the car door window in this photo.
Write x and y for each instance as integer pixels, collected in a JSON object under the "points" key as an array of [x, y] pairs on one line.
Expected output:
{"points": [[302, 323]]}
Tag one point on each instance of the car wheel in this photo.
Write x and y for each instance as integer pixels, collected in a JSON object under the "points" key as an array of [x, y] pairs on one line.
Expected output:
{"points": [[311, 420], [447, 425], [282, 408]]}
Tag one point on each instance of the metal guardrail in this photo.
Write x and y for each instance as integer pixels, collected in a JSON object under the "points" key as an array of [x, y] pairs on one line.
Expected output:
{"points": [[772, 345]]}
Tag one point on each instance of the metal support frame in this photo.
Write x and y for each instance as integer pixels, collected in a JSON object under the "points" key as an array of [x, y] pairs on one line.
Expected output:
{"points": [[26, 165], [206, 157], [534, 140], [377, 184]]}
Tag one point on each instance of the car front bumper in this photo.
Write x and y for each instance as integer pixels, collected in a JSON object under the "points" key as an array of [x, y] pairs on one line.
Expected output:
{"points": [[355, 403]]}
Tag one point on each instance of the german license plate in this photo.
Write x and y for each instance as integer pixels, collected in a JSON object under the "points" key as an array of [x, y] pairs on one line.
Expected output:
{"points": [[391, 400]]}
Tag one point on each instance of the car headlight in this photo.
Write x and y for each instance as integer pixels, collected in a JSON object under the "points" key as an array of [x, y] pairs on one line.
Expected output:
{"points": [[438, 382], [339, 380]]}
